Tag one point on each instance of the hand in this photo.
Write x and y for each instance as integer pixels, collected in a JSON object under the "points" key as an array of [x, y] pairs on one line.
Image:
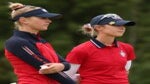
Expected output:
{"points": [[127, 72], [51, 68], [77, 78]]}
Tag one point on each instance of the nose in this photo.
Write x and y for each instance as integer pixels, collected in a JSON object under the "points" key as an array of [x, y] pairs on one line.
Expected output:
{"points": [[48, 20]]}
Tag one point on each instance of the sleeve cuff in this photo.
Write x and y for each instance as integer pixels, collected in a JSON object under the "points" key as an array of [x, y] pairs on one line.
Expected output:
{"points": [[67, 66]]}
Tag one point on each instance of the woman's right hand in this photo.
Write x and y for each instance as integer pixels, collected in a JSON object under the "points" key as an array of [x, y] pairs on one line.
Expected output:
{"points": [[51, 68]]}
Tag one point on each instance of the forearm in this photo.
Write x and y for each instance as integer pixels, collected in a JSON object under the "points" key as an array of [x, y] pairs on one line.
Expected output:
{"points": [[26, 52]]}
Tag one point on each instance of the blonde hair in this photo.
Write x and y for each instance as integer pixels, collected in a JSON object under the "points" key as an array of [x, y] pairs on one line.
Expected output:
{"points": [[18, 8], [89, 30]]}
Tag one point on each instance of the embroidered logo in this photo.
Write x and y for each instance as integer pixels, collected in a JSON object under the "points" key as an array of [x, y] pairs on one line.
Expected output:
{"points": [[122, 53], [44, 10]]}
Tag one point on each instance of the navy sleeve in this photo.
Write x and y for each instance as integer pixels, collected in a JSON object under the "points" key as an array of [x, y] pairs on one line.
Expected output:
{"points": [[63, 61], [26, 51]]}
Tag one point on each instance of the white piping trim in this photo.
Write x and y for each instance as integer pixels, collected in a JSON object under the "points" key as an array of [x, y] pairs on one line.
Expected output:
{"points": [[95, 44]]}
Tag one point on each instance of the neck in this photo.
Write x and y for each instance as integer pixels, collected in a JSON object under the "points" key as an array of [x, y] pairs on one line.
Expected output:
{"points": [[27, 29], [106, 40]]}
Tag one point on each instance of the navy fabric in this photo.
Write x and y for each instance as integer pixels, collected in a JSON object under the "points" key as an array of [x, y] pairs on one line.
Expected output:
{"points": [[22, 41], [37, 13], [111, 19]]}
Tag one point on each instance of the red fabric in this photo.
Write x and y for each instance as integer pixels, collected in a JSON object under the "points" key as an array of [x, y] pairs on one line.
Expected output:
{"points": [[47, 51], [102, 65], [26, 73]]}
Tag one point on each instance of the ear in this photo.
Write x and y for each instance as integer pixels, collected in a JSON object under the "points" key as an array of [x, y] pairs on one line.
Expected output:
{"points": [[98, 27], [23, 20]]}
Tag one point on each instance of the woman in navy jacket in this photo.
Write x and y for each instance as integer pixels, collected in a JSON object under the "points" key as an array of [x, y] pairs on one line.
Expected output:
{"points": [[34, 60]]}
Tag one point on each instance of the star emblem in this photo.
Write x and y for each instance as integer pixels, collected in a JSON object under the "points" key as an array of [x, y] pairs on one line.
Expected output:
{"points": [[122, 53]]}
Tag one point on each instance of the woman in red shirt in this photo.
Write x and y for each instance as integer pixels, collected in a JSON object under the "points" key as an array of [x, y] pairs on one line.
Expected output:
{"points": [[103, 59]]}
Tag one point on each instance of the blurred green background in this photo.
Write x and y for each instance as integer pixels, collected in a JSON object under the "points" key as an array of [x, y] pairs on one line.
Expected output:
{"points": [[64, 34]]}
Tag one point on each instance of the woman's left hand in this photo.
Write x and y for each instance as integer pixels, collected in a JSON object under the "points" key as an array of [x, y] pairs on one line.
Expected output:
{"points": [[51, 68]]}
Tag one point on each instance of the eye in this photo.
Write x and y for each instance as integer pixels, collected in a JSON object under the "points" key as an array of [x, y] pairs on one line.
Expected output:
{"points": [[43, 17]]}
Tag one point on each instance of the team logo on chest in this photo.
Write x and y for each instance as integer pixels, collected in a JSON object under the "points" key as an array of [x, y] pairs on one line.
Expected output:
{"points": [[122, 53]]}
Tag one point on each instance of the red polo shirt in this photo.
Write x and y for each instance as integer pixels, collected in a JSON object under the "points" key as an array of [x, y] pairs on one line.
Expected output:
{"points": [[102, 64]]}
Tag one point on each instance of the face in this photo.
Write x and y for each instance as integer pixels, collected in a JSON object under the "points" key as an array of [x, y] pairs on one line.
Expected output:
{"points": [[37, 23], [114, 31]]}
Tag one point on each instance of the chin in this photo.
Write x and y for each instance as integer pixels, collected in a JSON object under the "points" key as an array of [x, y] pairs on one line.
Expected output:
{"points": [[119, 35], [44, 29]]}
